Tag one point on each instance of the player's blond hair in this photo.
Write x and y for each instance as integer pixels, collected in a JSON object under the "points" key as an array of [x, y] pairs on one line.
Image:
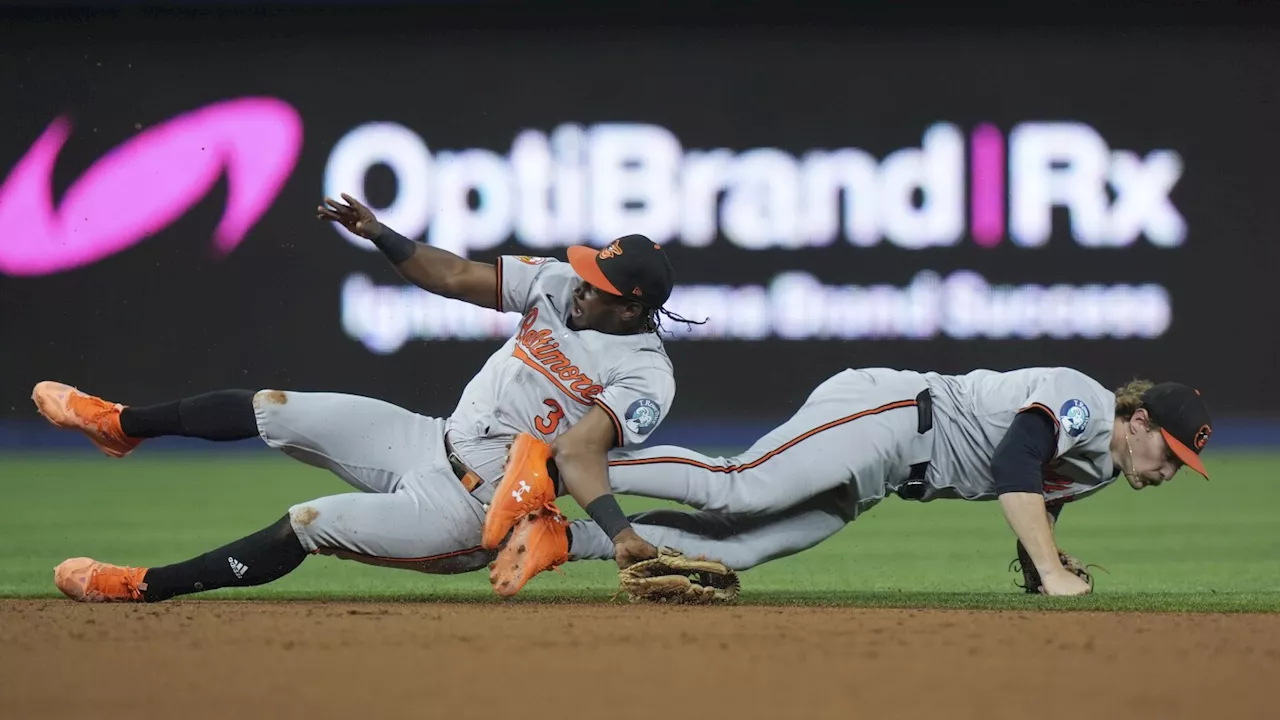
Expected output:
{"points": [[1129, 397]]}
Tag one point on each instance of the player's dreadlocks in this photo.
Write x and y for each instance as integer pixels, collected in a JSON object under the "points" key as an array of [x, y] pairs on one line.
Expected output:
{"points": [[653, 322]]}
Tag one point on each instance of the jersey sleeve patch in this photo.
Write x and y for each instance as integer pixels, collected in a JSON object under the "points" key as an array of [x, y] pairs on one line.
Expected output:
{"points": [[1074, 417], [642, 416]]}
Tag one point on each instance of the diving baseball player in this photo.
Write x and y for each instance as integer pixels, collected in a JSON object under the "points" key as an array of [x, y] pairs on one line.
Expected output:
{"points": [[1033, 438], [586, 371]]}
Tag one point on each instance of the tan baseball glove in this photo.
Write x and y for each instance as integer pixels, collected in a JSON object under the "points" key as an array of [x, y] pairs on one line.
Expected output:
{"points": [[1031, 578], [673, 578]]}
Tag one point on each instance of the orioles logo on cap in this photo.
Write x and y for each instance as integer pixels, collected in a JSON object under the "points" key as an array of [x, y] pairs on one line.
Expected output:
{"points": [[613, 250], [1202, 437]]}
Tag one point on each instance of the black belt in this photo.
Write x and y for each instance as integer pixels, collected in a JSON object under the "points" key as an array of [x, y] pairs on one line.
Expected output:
{"points": [[915, 486], [469, 479]]}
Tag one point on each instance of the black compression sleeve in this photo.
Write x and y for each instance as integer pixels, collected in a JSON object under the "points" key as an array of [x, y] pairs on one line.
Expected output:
{"points": [[1018, 462]]}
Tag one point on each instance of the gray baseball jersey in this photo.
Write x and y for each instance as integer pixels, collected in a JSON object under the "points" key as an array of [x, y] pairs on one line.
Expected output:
{"points": [[413, 512], [973, 412], [855, 440], [547, 377]]}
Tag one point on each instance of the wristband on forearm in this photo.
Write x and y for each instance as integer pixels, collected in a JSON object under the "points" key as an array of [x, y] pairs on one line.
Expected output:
{"points": [[395, 246], [605, 512]]}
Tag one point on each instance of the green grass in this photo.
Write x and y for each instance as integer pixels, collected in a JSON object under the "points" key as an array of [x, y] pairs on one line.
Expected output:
{"points": [[1189, 546]]}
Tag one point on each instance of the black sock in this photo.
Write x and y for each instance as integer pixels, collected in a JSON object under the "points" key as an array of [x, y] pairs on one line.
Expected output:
{"points": [[221, 415], [267, 555]]}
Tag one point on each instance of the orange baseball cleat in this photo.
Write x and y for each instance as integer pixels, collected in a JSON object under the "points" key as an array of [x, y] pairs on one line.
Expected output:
{"points": [[98, 419], [539, 542], [88, 580], [526, 486]]}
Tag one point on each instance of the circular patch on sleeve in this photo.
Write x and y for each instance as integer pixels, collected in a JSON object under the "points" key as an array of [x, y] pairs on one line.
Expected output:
{"points": [[1074, 417], [642, 416]]}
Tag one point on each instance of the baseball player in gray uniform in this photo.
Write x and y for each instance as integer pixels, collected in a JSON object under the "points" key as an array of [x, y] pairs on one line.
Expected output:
{"points": [[585, 372], [1033, 438]]}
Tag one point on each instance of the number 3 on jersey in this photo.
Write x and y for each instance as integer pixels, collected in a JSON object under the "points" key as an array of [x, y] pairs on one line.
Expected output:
{"points": [[548, 424]]}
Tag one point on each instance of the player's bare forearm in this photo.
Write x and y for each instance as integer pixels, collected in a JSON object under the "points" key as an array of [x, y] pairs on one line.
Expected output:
{"points": [[585, 474], [443, 273], [1030, 520], [582, 456], [432, 269]]}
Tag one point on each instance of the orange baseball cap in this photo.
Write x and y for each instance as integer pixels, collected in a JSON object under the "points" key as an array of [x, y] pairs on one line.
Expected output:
{"points": [[633, 267], [1183, 419]]}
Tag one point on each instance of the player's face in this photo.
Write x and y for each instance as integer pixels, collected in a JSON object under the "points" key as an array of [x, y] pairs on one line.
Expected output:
{"points": [[594, 309], [1153, 462]]}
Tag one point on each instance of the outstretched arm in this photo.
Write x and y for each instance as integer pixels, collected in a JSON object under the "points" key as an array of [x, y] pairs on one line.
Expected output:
{"points": [[581, 456], [432, 269], [1016, 467]]}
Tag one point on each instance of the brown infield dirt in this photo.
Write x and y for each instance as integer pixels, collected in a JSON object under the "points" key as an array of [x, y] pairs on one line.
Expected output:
{"points": [[192, 659]]}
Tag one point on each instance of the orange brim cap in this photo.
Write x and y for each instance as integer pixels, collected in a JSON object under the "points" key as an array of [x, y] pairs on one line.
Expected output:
{"points": [[1189, 457], [585, 262]]}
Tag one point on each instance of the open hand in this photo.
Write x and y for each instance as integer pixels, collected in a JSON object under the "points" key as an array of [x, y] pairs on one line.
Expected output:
{"points": [[353, 216]]}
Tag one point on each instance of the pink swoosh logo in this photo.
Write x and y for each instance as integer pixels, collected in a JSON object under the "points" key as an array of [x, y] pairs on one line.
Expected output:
{"points": [[146, 183]]}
